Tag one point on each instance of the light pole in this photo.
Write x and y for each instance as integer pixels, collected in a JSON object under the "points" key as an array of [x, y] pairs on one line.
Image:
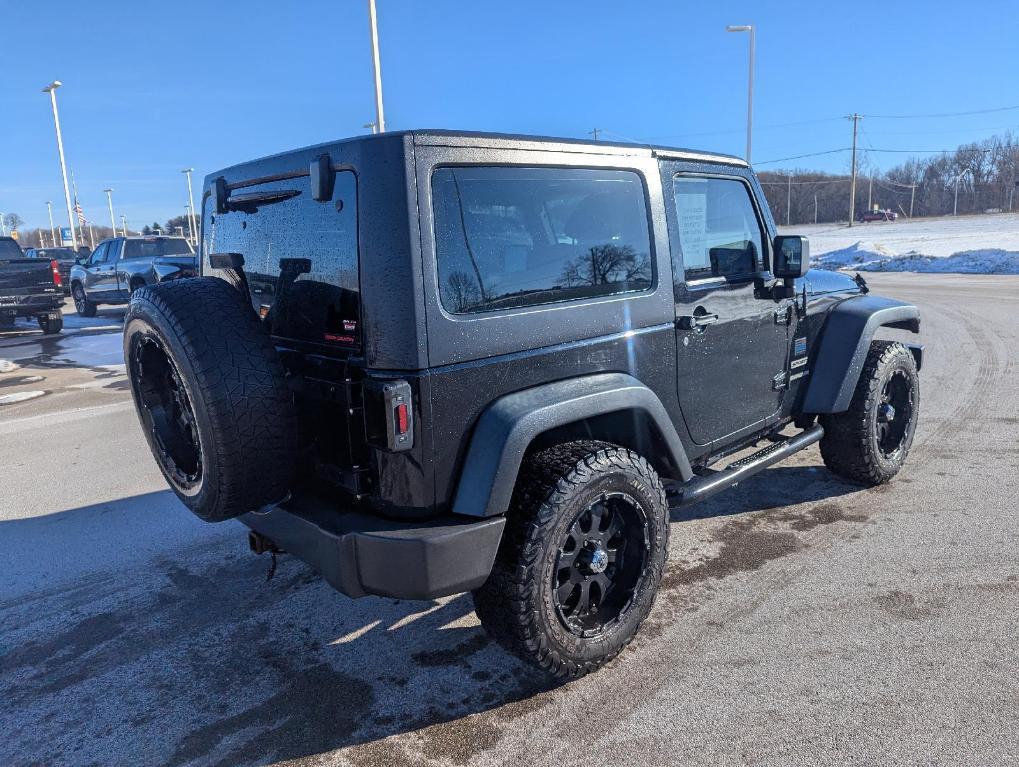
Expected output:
{"points": [[380, 119], [123, 224], [955, 207], [191, 215], [371, 126], [113, 221], [53, 231], [52, 90], [750, 78]]}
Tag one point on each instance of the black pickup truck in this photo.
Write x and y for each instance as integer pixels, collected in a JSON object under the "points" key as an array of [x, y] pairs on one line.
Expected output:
{"points": [[29, 287]]}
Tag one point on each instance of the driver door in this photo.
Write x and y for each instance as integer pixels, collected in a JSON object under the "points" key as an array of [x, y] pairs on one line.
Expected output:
{"points": [[732, 346]]}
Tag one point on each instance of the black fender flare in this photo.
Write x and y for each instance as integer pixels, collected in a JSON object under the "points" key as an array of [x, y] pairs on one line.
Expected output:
{"points": [[508, 426], [843, 345]]}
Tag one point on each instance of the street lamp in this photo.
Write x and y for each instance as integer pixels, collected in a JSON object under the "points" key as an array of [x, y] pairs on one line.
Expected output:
{"points": [[371, 126], [191, 215], [750, 80], [123, 224], [113, 221], [52, 90], [380, 119], [53, 231]]}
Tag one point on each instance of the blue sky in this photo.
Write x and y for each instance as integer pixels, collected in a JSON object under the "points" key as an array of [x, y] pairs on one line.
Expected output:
{"points": [[152, 88]]}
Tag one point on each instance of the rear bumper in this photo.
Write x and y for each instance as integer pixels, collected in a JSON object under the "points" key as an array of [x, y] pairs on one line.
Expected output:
{"points": [[31, 306], [361, 554]]}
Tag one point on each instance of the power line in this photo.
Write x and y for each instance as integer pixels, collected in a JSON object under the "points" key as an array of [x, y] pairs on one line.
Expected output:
{"points": [[944, 114], [801, 156]]}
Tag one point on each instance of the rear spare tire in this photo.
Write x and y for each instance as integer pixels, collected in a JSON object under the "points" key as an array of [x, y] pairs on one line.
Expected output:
{"points": [[210, 393]]}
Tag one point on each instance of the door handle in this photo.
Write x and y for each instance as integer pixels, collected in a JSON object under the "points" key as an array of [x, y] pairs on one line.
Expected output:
{"points": [[696, 321]]}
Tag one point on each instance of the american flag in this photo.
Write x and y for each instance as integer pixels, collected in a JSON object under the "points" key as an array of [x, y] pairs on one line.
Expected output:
{"points": [[80, 213]]}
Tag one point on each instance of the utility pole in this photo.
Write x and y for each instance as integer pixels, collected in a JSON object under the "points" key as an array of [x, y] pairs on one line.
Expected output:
{"points": [[52, 90], [91, 236], [815, 207], [380, 119], [912, 195], [852, 182], [789, 200], [870, 190], [595, 133]]}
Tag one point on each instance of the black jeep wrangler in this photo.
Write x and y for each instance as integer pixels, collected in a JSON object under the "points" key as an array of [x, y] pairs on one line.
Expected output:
{"points": [[431, 362]]}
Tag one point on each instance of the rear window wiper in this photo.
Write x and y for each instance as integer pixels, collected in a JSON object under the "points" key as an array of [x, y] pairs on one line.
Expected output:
{"points": [[252, 201]]}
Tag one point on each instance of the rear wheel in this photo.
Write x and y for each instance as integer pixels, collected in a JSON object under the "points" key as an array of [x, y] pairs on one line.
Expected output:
{"points": [[870, 441], [82, 305], [51, 323], [580, 563], [211, 395]]}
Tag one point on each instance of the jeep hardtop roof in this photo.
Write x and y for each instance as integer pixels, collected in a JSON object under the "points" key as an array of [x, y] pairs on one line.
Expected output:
{"points": [[440, 137]]}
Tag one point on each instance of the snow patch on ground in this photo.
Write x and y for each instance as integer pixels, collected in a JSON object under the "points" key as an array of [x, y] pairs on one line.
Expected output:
{"points": [[21, 396], [7, 366], [867, 257], [986, 244]]}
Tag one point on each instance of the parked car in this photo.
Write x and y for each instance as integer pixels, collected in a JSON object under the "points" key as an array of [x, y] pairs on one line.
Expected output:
{"points": [[29, 287], [121, 265], [876, 215], [65, 258], [432, 362]]}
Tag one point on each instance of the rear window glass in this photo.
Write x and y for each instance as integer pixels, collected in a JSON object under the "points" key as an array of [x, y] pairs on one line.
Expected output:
{"points": [[170, 246], [53, 253], [300, 258], [511, 237], [9, 249]]}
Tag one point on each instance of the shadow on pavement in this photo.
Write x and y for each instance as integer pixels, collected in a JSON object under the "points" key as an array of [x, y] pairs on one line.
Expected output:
{"points": [[189, 657]]}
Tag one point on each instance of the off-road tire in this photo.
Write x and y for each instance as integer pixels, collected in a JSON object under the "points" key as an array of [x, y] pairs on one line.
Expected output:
{"points": [[850, 446], [234, 383], [84, 307], [515, 604], [50, 324]]}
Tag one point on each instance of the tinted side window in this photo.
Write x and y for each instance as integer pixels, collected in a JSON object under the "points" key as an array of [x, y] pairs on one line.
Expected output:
{"points": [[719, 234], [510, 237], [300, 257], [99, 254]]}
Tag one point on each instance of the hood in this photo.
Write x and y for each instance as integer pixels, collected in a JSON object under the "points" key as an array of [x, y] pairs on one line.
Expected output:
{"points": [[824, 281]]}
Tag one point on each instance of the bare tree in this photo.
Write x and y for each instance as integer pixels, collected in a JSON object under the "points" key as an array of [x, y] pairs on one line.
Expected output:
{"points": [[603, 264]]}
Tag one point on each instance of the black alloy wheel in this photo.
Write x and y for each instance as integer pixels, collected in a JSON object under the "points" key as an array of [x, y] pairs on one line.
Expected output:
{"points": [[600, 564], [167, 413], [894, 413]]}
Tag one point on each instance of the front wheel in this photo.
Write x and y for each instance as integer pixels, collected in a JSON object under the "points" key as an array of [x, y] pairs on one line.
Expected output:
{"points": [[581, 560], [870, 441]]}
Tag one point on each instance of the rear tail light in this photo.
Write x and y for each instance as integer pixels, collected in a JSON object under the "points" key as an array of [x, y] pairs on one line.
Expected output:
{"points": [[56, 274], [389, 407], [402, 418]]}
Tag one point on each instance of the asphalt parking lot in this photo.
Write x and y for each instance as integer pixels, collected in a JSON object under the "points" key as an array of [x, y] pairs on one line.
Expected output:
{"points": [[802, 620]]}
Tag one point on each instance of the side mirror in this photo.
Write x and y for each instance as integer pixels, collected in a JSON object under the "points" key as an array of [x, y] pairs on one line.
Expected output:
{"points": [[790, 257]]}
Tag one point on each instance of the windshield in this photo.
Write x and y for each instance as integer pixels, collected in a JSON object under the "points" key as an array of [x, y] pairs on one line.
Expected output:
{"points": [[168, 246], [9, 249]]}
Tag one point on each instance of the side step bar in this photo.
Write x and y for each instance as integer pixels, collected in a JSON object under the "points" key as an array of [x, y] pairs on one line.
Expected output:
{"points": [[706, 485]]}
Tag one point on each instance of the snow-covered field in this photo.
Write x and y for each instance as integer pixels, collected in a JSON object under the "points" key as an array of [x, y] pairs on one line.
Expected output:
{"points": [[986, 244]]}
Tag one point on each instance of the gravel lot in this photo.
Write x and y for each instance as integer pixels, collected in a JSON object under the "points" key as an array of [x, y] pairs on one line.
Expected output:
{"points": [[802, 620]]}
